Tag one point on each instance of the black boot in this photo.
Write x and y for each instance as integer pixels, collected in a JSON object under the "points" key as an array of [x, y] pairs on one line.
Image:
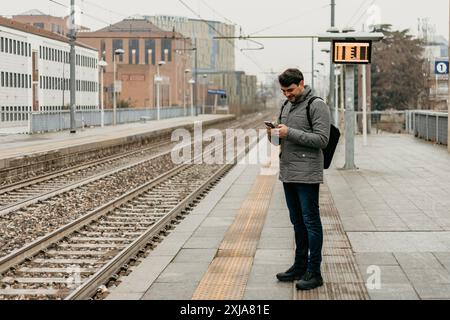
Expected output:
{"points": [[292, 274], [310, 281]]}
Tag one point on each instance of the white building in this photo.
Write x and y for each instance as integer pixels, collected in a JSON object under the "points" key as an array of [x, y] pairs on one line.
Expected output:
{"points": [[35, 73]]}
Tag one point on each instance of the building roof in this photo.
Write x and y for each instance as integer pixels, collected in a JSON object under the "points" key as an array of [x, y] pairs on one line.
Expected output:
{"points": [[133, 24], [33, 12], [9, 23], [182, 19]]}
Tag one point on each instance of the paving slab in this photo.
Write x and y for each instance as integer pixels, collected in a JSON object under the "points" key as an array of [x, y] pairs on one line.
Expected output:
{"points": [[394, 292], [395, 214], [376, 258]]}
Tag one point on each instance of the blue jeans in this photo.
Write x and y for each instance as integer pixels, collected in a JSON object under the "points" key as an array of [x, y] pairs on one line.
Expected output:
{"points": [[303, 203]]}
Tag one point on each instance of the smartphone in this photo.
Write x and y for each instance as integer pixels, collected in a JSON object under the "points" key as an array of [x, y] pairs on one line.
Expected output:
{"points": [[269, 124]]}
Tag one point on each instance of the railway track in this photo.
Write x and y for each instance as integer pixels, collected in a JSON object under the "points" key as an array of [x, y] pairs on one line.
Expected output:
{"points": [[42, 215], [15, 196], [75, 260], [22, 180], [81, 256]]}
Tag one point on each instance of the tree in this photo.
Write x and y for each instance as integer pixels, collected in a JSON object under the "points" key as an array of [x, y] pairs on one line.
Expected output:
{"points": [[398, 80]]}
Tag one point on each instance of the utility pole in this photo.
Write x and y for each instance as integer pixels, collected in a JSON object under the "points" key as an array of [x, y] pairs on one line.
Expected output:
{"points": [[312, 65], [364, 103], [72, 67], [196, 76], [333, 103], [350, 118]]}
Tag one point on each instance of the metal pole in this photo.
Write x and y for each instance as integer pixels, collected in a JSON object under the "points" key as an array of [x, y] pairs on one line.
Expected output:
{"points": [[342, 90], [204, 95], [158, 94], [350, 118], [114, 92], [364, 103], [63, 84], [333, 12], [196, 75], [312, 65], [333, 101], [336, 99], [184, 93], [102, 115], [192, 99], [72, 68]]}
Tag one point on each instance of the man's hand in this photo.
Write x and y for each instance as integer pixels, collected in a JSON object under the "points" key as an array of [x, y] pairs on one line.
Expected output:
{"points": [[281, 131]]}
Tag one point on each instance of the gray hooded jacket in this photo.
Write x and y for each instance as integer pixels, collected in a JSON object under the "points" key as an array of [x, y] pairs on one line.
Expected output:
{"points": [[301, 157]]}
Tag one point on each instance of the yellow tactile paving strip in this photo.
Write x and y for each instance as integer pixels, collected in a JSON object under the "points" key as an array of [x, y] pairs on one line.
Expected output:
{"points": [[340, 273], [228, 274]]}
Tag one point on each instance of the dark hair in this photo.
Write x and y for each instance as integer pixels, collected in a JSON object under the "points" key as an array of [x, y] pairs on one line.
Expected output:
{"points": [[290, 76]]}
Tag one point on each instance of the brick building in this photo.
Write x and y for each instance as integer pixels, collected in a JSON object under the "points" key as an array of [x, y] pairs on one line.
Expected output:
{"points": [[46, 22], [145, 45]]}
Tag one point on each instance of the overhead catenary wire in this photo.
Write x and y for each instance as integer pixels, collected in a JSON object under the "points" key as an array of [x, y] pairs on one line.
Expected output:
{"points": [[218, 13], [357, 11], [364, 12], [103, 8], [84, 13], [219, 33], [288, 20]]}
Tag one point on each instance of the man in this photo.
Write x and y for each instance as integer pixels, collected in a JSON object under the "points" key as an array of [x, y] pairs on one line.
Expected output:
{"points": [[301, 171]]}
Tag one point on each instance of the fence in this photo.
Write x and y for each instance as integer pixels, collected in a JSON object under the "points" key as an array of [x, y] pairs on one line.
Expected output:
{"points": [[431, 126], [427, 125], [379, 121], [57, 121]]}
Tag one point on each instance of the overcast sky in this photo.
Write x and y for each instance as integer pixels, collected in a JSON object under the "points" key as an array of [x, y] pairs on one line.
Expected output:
{"points": [[262, 17]]}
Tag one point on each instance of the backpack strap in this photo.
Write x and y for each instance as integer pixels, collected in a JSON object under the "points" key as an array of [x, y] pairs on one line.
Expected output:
{"points": [[282, 110], [308, 111]]}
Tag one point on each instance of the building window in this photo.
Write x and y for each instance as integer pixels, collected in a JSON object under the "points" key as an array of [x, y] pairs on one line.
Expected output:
{"points": [[1, 44], [103, 49], [166, 44], [3, 79], [133, 44], [118, 44], [150, 56]]}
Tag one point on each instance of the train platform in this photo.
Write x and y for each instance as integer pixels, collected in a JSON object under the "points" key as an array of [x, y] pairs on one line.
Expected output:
{"points": [[19, 145], [386, 227]]}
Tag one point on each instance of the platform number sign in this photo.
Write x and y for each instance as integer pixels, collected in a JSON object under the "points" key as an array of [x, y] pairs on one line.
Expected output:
{"points": [[352, 52], [441, 67]]}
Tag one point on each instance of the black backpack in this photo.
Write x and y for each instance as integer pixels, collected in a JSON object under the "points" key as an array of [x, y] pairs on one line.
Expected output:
{"points": [[333, 141]]}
